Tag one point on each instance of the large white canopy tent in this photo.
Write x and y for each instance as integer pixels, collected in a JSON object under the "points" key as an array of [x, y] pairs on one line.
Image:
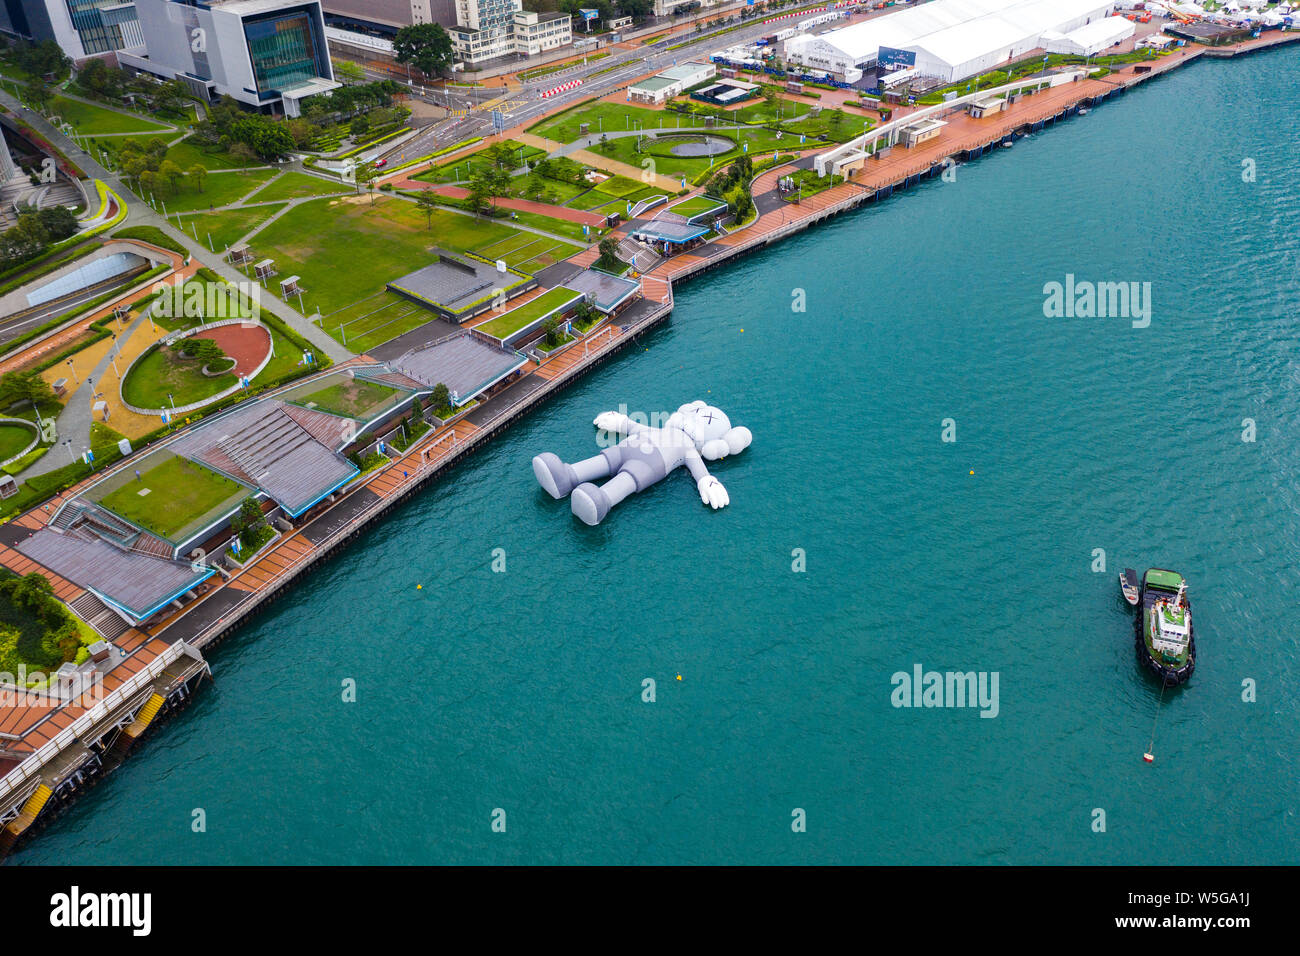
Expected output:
{"points": [[952, 39], [1091, 39]]}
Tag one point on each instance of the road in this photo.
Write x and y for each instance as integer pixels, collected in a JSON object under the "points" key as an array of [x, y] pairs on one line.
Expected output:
{"points": [[524, 104]]}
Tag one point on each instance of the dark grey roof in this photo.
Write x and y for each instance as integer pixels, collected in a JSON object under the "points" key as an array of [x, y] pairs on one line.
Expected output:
{"points": [[137, 583], [453, 281], [262, 444], [464, 363], [608, 290]]}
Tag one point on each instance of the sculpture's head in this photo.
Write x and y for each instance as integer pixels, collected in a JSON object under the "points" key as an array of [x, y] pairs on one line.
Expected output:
{"points": [[711, 430]]}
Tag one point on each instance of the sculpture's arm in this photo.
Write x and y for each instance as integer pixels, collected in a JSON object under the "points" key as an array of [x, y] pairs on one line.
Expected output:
{"points": [[618, 423], [711, 491]]}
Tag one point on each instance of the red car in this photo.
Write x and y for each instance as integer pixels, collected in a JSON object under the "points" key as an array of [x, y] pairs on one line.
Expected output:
{"points": [[381, 164]]}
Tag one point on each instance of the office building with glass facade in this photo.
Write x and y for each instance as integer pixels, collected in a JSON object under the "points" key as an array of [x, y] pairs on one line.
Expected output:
{"points": [[82, 28], [268, 54]]}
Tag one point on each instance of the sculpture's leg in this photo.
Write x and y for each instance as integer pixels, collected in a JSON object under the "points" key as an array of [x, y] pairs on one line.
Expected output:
{"points": [[591, 503], [559, 479]]}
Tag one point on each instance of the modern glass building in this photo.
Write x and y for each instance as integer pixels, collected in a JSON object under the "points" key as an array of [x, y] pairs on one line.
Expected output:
{"points": [[268, 54], [287, 49], [82, 28]]}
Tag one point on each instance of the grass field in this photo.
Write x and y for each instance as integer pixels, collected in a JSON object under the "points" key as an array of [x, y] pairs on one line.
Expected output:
{"points": [[179, 492], [352, 397], [760, 112], [163, 370], [96, 121], [696, 205], [228, 225], [13, 439], [602, 118], [514, 320], [376, 319], [460, 170], [219, 189], [346, 250], [295, 185], [554, 191], [185, 154], [561, 227], [624, 149]]}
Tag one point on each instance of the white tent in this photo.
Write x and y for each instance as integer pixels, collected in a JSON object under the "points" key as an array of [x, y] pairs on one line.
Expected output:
{"points": [[1092, 39]]}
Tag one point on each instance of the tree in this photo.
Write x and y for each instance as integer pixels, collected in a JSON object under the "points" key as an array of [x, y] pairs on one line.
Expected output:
{"points": [[552, 329], [427, 202], [608, 254], [637, 9], [198, 172], [771, 96], [243, 154], [426, 46], [37, 95], [249, 522], [171, 97], [204, 351], [26, 386], [441, 398], [345, 71], [170, 174]]}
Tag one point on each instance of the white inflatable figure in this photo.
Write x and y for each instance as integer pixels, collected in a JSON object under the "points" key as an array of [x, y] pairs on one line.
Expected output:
{"points": [[693, 433]]}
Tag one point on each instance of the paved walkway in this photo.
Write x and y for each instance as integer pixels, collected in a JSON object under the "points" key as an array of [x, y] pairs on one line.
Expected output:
{"points": [[74, 421]]}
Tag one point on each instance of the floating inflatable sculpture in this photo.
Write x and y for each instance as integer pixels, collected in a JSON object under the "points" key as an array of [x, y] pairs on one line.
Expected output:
{"points": [[693, 433]]}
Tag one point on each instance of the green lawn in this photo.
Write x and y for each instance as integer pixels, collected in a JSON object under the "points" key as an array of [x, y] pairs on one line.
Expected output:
{"points": [[179, 492], [346, 251], [375, 320], [812, 184], [514, 320], [186, 154], [351, 397], [228, 225], [219, 189], [295, 185], [96, 120], [554, 191], [624, 149], [163, 370], [561, 227], [760, 112], [13, 439], [463, 168], [696, 206], [602, 117]]}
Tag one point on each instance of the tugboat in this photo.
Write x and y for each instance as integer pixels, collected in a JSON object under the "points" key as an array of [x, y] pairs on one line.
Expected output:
{"points": [[1128, 585], [1163, 629]]}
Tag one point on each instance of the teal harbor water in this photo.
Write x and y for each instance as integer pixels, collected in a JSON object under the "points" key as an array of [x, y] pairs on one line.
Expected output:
{"points": [[522, 690]]}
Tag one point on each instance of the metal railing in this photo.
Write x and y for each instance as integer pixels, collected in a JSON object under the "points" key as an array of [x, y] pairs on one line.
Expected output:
{"points": [[134, 685]]}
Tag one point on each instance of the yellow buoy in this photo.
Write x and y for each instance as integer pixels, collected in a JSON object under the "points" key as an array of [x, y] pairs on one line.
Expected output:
{"points": [[419, 587]]}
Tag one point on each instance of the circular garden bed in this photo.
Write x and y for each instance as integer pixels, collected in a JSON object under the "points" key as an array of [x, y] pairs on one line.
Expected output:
{"points": [[165, 370]]}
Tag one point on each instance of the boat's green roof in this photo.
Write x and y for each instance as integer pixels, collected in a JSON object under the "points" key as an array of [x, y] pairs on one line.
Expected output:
{"points": [[1167, 580]]}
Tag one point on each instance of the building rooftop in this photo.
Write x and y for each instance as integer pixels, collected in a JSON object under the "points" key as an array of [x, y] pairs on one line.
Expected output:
{"points": [[608, 291], [266, 446], [135, 584], [462, 361], [454, 282]]}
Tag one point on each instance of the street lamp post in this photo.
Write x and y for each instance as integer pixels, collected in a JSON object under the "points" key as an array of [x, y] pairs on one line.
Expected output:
{"points": [[73, 370]]}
